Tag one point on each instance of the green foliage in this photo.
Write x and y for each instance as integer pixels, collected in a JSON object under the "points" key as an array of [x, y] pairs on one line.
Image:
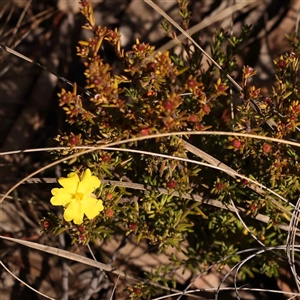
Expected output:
{"points": [[167, 92]]}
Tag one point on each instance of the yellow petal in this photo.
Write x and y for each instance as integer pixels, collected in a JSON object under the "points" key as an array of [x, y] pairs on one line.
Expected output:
{"points": [[91, 207], [70, 183], [88, 183], [74, 212], [60, 197]]}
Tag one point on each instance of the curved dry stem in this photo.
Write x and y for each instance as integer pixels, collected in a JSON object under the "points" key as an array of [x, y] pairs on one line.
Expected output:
{"points": [[36, 20], [271, 123], [114, 289], [205, 23], [215, 163], [290, 243], [239, 265], [227, 289], [256, 186], [245, 226], [194, 197], [222, 260], [27, 285], [87, 261], [16, 28], [167, 17], [158, 135]]}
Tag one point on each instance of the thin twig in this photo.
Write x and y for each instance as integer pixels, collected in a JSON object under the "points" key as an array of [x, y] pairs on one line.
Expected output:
{"points": [[86, 261], [27, 285], [271, 123]]}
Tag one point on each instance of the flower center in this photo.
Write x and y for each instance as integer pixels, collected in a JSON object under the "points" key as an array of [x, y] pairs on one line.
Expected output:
{"points": [[78, 196]]}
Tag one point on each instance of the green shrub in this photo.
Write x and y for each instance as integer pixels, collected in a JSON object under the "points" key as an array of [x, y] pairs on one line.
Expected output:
{"points": [[162, 93]]}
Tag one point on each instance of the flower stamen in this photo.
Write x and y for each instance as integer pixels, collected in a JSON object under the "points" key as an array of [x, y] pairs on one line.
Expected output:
{"points": [[78, 196]]}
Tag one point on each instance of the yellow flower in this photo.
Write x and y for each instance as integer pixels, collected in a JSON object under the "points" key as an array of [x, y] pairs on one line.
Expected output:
{"points": [[76, 196]]}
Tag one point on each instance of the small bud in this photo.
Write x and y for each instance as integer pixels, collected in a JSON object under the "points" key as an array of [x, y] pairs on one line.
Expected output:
{"points": [[219, 186], [200, 126], [64, 98], [81, 229], [206, 109], [171, 184], [281, 64], [266, 148], [151, 67], [144, 131], [193, 118], [105, 158], [73, 140], [245, 182], [248, 70], [221, 87], [296, 108], [109, 196], [268, 100], [140, 47], [113, 35], [97, 81], [46, 224], [137, 291], [84, 3], [168, 105], [132, 226], [192, 83], [236, 144], [109, 213]]}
